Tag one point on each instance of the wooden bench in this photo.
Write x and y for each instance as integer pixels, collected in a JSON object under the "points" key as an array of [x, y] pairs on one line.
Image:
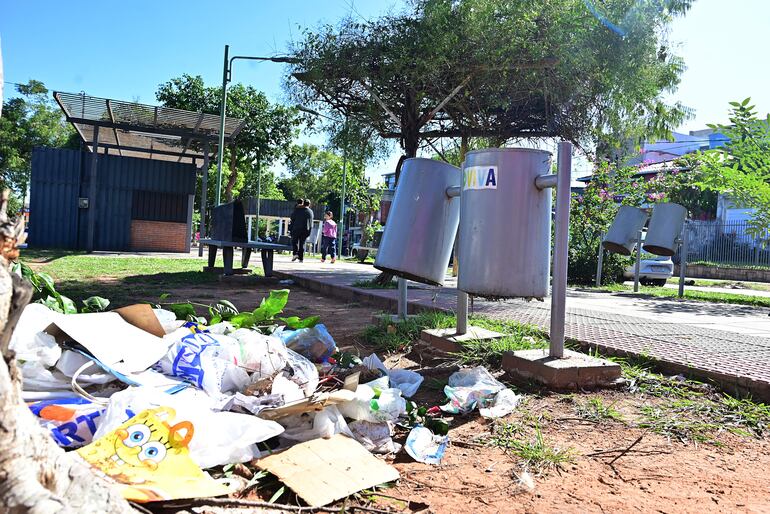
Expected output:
{"points": [[266, 250]]}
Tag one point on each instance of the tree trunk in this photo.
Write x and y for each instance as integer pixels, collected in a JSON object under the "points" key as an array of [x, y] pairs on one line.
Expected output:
{"points": [[36, 475]]}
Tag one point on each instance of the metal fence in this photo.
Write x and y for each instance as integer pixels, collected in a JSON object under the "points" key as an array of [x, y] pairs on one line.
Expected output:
{"points": [[727, 243]]}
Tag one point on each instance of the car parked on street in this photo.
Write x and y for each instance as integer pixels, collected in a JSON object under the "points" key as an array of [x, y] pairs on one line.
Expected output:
{"points": [[654, 270]]}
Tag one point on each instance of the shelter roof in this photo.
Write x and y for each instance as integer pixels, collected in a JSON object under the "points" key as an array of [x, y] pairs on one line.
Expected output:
{"points": [[131, 129]]}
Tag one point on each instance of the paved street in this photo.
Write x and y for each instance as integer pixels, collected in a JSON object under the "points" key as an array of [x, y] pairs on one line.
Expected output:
{"points": [[727, 343]]}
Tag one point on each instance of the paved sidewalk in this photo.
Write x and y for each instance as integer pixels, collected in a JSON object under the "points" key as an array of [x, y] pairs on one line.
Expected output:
{"points": [[729, 344]]}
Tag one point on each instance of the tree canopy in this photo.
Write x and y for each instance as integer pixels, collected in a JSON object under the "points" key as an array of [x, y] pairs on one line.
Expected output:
{"points": [[497, 68], [741, 168], [29, 120], [269, 130]]}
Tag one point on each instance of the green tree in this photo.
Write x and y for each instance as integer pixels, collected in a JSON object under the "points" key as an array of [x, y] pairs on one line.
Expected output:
{"points": [[741, 168], [266, 137], [497, 68], [29, 120]]}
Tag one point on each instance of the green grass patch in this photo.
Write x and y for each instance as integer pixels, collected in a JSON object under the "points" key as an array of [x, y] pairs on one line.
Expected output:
{"points": [[734, 284], [531, 448], [594, 409], [371, 284], [731, 266], [119, 279], [400, 336], [700, 296]]}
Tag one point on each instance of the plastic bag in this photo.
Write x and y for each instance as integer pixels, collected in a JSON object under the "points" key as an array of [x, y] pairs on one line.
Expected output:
{"points": [[167, 320], [312, 425], [287, 389], [470, 387], [302, 372], [71, 361], [406, 380], [375, 437], [220, 437], [25, 340], [261, 354], [206, 360], [504, 403], [71, 421], [388, 406], [314, 343], [424, 446]]}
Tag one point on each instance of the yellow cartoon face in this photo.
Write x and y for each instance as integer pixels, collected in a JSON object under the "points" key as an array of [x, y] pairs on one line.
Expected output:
{"points": [[145, 442]]}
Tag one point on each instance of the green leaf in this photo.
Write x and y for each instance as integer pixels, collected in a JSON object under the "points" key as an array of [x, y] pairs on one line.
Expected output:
{"points": [[46, 282], [437, 426], [215, 319], [295, 323], [95, 304], [746, 101], [67, 305], [225, 309], [243, 320], [52, 303], [164, 296], [271, 306], [182, 310]]}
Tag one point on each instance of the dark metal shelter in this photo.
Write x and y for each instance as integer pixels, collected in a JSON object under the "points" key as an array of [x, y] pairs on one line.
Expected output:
{"points": [[128, 137]]}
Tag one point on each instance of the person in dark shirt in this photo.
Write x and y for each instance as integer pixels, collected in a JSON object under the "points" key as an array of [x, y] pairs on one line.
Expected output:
{"points": [[300, 224]]}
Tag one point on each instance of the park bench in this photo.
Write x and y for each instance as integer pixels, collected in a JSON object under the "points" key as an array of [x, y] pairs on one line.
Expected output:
{"points": [[229, 232]]}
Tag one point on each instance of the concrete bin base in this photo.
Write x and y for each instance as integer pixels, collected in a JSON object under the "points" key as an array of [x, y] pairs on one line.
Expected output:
{"points": [[447, 340], [574, 371]]}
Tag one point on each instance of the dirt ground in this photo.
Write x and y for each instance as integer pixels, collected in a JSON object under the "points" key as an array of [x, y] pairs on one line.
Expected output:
{"points": [[657, 475]]}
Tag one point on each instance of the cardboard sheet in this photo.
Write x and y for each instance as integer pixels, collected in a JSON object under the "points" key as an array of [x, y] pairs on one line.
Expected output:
{"points": [[325, 470], [111, 339]]}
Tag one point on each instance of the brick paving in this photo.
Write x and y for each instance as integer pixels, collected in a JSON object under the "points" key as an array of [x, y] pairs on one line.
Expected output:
{"points": [[739, 362]]}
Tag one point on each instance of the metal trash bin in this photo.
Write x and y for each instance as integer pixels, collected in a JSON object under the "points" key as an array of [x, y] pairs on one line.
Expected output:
{"points": [[504, 246], [664, 229], [422, 222], [622, 235]]}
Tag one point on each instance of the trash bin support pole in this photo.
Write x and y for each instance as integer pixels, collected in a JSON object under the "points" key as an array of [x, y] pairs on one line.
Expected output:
{"points": [[402, 305], [599, 263], [682, 260], [462, 312], [638, 261], [561, 250]]}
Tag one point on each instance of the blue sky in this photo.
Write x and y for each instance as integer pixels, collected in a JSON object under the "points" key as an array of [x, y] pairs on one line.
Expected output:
{"points": [[124, 50]]}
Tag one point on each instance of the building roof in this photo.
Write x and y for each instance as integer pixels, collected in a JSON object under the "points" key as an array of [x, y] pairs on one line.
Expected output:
{"points": [[131, 129]]}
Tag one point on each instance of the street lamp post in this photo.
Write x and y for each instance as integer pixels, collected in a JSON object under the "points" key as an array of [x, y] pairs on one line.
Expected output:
{"points": [[227, 78]]}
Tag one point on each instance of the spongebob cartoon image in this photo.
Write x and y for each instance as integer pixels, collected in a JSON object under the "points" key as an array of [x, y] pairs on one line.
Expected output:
{"points": [[148, 458]]}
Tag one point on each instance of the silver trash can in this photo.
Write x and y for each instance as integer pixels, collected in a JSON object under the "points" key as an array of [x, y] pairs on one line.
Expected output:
{"points": [[422, 223], [504, 246]]}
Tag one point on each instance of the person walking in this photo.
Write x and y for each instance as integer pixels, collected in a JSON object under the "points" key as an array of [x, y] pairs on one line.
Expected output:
{"points": [[300, 225], [329, 237]]}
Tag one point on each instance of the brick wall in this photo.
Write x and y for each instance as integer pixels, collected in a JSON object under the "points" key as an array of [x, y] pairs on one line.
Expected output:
{"points": [[158, 236]]}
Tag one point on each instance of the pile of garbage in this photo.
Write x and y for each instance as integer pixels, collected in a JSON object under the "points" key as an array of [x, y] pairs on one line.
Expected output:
{"points": [[150, 397]]}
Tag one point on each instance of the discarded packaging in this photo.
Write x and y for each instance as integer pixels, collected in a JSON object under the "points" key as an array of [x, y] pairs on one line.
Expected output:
{"points": [[406, 380], [368, 405], [312, 425], [324, 470], [476, 387], [375, 437], [71, 421], [147, 458], [314, 343], [424, 446]]}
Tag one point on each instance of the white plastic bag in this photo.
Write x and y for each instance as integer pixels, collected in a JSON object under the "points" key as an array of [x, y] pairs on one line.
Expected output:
{"points": [[504, 403], [375, 437], [468, 387], [312, 425], [219, 437], [167, 320], [260, 354], [302, 372], [71, 421], [25, 341], [365, 407], [406, 380], [424, 446]]}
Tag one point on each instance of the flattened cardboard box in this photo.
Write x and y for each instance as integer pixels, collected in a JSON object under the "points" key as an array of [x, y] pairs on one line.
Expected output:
{"points": [[324, 470]]}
